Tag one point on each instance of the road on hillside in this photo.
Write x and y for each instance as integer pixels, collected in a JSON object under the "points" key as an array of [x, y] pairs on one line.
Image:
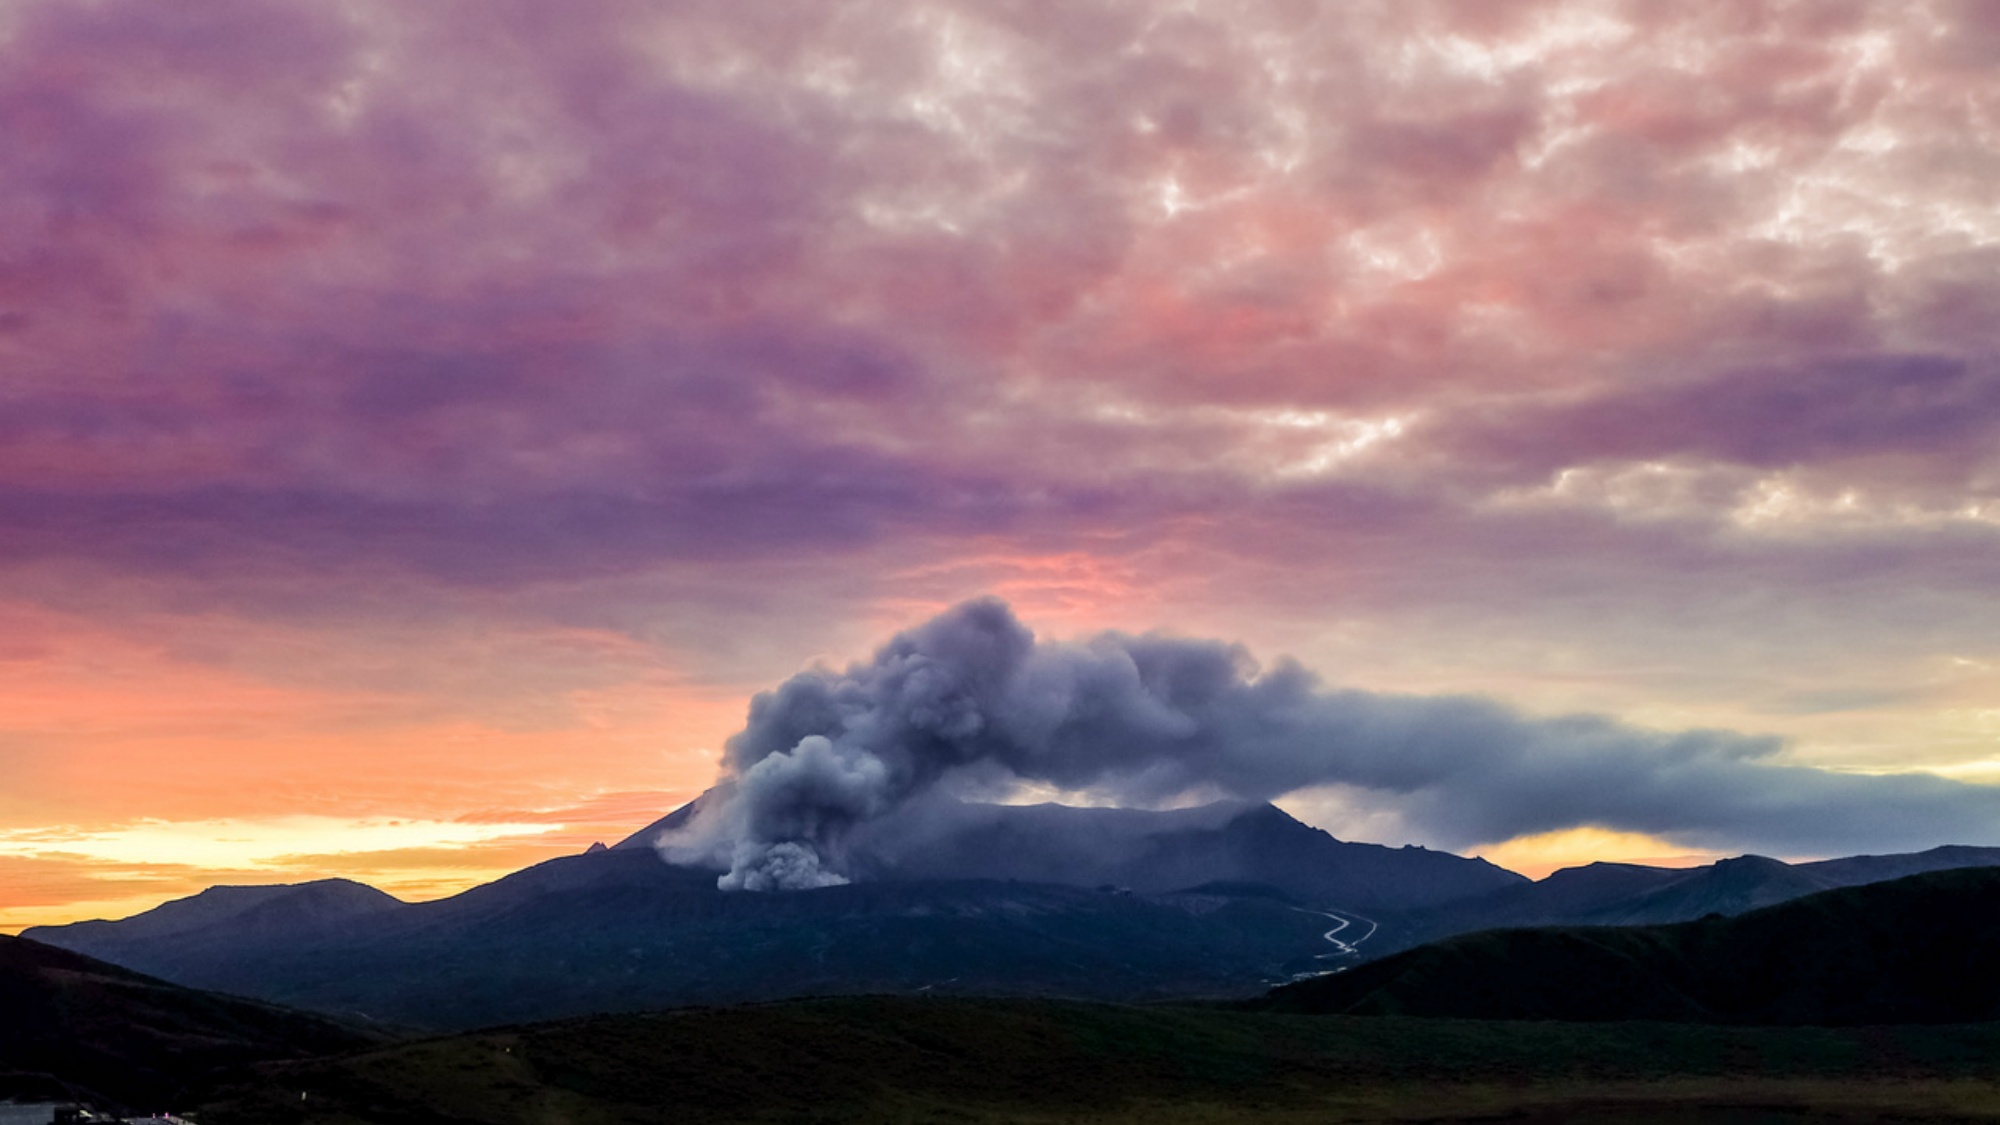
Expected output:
{"points": [[1342, 947]]}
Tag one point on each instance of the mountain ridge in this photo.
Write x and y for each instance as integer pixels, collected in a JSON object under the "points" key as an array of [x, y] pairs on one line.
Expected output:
{"points": [[317, 900], [620, 929], [1115, 904], [1615, 894], [1912, 950]]}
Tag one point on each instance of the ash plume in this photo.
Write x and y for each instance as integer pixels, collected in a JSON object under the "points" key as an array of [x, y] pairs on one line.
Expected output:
{"points": [[972, 697]]}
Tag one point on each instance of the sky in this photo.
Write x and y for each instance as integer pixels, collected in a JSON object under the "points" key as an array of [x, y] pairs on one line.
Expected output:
{"points": [[424, 427]]}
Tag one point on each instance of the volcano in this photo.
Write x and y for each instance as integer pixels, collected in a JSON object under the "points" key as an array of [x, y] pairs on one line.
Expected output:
{"points": [[1044, 900]]}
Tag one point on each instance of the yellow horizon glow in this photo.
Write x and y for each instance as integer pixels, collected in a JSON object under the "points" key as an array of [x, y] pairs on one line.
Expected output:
{"points": [[407, 884], [237, 843], [1543, 854], [157, 861]]}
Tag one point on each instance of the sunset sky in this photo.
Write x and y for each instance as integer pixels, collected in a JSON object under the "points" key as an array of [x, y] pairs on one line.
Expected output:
{"points": [[423, 426]]}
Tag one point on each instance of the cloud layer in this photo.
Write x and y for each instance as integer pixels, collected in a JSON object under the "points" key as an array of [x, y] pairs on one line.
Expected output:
{"points": [[486, 294]]}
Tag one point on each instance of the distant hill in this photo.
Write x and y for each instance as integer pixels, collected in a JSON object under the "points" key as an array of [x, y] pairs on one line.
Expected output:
{"points": [[277, 909], [133, 1039], [1855, 870], [1920, 949], [1617, 894]]}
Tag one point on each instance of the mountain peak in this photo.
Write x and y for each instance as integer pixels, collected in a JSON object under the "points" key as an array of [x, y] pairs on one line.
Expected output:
{"points": [[649, 836], [320, 901], [1751, 863], [1150, 850]]}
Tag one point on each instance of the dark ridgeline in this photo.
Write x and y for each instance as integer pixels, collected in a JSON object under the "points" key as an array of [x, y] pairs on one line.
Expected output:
{"points": [[1623, 894], [1241, 844], [1912, 951], [1114, 904], [1104, 903], [84, 1026], [1153, 852], [246, 913], [1920, 949]]}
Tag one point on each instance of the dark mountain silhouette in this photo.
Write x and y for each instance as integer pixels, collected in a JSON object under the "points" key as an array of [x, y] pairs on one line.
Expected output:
{"points": [[622, 931], [1854, 870], [645, 838], [1617, 894], [1012, 901], [278, 910], [1164, 851], [1152, 852], [1042, 900], [133, 1039], [1914, 950]]}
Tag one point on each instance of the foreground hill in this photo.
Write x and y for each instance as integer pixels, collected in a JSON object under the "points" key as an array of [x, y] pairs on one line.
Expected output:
{"points": [[1915, 950], [885, 1059], [133, 1039]]}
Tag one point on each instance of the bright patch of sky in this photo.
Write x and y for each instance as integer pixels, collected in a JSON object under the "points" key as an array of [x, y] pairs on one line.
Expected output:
{"points": [[240, 844]]}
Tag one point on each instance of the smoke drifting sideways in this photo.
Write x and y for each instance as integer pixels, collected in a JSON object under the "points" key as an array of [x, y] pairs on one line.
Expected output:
{"points": [[971, 698]]}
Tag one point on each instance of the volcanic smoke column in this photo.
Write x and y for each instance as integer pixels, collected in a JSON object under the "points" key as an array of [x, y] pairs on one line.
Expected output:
{"points": [[1148, 719]]}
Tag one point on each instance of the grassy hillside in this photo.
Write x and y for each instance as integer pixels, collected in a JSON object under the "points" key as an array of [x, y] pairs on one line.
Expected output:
{"points": [[1915, 950], [134, 1039], [891, 1059]]}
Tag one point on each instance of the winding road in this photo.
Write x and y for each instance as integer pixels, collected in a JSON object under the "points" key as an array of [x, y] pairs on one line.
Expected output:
{"points": [[1342, 947]]}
